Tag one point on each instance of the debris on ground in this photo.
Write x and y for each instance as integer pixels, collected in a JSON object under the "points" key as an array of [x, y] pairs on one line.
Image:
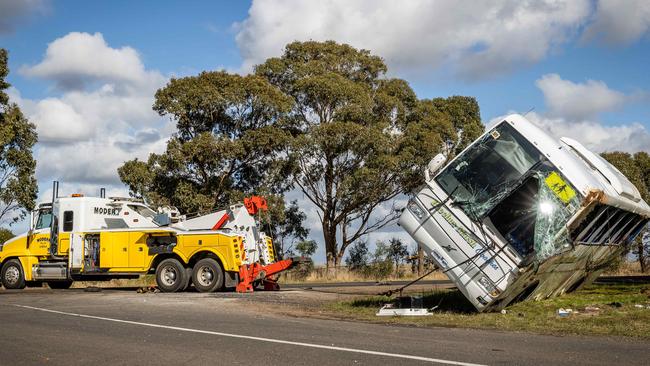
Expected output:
{"points": [[564, 312], [405, 306], [143, 290], [591, 309], [615, 304], [389, 310], [92, 289]]}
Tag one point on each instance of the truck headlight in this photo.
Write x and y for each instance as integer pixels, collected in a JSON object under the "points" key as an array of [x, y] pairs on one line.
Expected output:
{"points": [[416, 209]]}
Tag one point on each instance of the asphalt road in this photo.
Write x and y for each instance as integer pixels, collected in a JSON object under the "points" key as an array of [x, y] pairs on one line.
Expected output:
{"points": [[70, 327], [362, 283]]}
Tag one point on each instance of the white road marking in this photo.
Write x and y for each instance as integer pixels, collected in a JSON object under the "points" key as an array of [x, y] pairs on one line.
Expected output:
{"points": [[270, 340]]}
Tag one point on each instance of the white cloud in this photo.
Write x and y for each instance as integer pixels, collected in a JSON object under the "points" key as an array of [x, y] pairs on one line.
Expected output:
{"points": [[579, 100], [103, 116], [79, 59], [93, 161], [476, 39], [632, 137], [619, 22], [13, 12]]}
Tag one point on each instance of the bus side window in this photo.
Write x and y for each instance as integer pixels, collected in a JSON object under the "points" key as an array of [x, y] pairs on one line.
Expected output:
{"points": [[67, 220]]}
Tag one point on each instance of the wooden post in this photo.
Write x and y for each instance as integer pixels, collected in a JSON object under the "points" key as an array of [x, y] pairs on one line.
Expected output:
{"points": [[420, 260]]}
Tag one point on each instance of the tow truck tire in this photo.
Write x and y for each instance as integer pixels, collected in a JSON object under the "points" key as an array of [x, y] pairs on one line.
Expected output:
{"points": [[188, 279], [207, 275], [12, 274], [60, 284], [171, 275]]}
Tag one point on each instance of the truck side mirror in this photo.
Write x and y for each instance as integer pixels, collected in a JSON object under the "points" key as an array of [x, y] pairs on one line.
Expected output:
{"points": [[434, 166]]}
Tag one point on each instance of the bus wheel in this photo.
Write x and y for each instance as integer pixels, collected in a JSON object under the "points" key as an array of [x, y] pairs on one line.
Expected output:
{"points": [[207, 275], [171, 275], [60, 284], [12, 275]]}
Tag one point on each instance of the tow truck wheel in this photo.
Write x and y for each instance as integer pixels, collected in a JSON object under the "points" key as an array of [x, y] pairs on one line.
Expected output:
{"points": [[207, 275], [12, 275], [188, 279], [171, 275]]}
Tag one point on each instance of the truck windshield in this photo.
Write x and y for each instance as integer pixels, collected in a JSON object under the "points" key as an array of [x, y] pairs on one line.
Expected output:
{"points": [[44, 219], [485, 173]]}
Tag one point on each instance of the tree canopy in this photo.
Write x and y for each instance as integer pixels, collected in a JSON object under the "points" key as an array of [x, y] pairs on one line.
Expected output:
{"points": [[18, 186], [636, 167], [229, 136], [323, 118], [359, 138], [225, 146]]}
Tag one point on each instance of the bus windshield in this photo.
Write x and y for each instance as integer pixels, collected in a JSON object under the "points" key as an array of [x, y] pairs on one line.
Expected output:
{"points": [[485, 173], [505, 182]]}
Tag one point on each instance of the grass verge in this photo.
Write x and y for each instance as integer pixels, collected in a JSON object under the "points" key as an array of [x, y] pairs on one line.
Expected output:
{"points": [[617, 314]]}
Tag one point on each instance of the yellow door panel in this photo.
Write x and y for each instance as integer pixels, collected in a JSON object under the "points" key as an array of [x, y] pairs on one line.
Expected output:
{"points": [[120, 244], [39, 244], [64, 243], [105, 255], [138, 251], [114, 250]]}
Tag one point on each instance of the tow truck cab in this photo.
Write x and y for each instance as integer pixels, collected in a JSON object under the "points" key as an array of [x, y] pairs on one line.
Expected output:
{"points": [[519, 215]]}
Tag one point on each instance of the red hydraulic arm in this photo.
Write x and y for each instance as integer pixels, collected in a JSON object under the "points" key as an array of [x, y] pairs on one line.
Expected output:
{"points": [[249, 273], [255, 203]]}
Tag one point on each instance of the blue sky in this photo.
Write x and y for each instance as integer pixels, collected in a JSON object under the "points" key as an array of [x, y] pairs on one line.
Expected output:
{"points": [[181, 38], [85, 71]]}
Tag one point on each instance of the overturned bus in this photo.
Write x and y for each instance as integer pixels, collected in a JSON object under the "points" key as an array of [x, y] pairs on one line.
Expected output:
{"points": [[518, 215]]}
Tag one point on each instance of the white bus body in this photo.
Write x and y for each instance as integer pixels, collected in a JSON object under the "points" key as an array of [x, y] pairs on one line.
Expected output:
{"points": [[519, 215]]}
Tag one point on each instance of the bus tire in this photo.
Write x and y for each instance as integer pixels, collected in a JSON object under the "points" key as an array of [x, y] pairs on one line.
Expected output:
{"points": [[12, 274], [207, 275], [63, 285], [171, 275]]}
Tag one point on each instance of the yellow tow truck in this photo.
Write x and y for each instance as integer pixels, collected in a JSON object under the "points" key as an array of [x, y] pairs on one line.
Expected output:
{"points": [[78, 238]]}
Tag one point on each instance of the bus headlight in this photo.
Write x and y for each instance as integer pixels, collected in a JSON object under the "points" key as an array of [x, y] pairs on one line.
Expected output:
{"points": [[489, 286], [416, 209]]}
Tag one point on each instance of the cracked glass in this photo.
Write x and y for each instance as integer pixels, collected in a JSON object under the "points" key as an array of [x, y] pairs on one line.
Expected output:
{"points": [[504, 182]]}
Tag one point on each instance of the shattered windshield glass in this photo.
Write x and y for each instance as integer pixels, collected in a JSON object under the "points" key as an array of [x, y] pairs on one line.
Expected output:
{"points": [[533, 217], [485, 173], [557, 202], [505, 182]]}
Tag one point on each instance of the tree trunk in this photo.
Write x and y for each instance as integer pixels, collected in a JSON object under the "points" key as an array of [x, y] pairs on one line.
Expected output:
{"points": [[329, 237], [641, 256]]}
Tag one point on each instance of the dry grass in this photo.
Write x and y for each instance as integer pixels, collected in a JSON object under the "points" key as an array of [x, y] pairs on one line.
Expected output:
{"points": [[321, 274], [626, 268], [617, 314], [143, 281]]}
